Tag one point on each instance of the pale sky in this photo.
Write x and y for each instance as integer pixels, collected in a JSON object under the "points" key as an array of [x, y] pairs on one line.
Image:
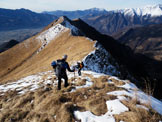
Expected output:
{"points": [[51, 5]]}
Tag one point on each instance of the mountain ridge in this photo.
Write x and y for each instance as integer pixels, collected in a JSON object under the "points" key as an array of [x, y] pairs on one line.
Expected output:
{"points": [[23, 18], [150, 10], [77, 13], [117, 20]]}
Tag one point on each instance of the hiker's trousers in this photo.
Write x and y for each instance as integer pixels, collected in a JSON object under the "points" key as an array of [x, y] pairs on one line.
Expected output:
{"points": [[59, 81]]}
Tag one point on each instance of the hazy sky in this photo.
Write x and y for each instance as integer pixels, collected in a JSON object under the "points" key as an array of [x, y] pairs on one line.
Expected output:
{"points": [[42, 5]]}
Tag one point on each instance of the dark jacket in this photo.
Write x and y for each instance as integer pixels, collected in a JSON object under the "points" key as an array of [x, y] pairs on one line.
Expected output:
{"points": [[60, 70]]}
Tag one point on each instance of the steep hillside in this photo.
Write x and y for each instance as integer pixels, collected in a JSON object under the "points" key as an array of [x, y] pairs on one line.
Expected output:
{"points": [[117, 20], [146, 40], [23, 18]]}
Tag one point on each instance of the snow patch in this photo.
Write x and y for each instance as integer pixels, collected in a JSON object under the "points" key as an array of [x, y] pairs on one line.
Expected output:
{"points": [[113, 106], [89, 83], [116, 107], [74, 30], [141, 97], [89, 117], [143, 107], [29, 83], [94, 74], [50, 34], [129, 86]]}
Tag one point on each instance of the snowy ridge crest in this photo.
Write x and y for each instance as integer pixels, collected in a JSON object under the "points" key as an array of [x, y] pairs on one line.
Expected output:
{"points": [[101, 61], [50, 34], [55, 31], [74, 30]]}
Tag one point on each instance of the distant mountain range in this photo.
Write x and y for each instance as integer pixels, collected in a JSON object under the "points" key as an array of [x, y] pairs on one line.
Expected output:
{"points": [[23, 18], [106, 22], [115, 21], [77, 13], [110, 22]]}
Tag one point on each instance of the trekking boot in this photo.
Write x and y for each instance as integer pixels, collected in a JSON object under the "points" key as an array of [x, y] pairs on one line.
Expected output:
{"points": [[59, 88], [66, 85]]}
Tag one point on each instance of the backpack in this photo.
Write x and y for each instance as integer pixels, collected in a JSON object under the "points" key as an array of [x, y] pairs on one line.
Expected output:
{"points": [[54, 64], [60, 68], [81, 65]]}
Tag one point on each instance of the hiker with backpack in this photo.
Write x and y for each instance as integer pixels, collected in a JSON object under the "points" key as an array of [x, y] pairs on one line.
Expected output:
{"points": [[60, 67], [79, 66]]}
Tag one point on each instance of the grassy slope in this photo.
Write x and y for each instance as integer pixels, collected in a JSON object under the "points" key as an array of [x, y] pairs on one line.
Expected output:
{"points": [[59, 106], [27, 62]]}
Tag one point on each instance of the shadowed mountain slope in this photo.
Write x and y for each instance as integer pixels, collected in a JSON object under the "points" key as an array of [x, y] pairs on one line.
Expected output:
{"points": [[143, 68], [146, 40]]}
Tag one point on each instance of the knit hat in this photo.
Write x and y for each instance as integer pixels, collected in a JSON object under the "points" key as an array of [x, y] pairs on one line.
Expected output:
{"points": [[65, 57]]}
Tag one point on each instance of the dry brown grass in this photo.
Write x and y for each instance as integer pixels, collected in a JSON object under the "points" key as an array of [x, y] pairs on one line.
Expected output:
{"points": [[117, 82], [54, 105], [16, 56], [136, 114], [58, 106]]}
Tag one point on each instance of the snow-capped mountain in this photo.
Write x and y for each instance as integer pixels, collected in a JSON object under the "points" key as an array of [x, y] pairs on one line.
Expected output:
{"points": [[154, 10], [114, 21]]}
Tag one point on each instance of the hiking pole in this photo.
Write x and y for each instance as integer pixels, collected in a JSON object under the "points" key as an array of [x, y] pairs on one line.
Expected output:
{"points": [[74, 74]]}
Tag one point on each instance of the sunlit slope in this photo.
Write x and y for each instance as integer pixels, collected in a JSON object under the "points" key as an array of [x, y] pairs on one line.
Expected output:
{"points": [[31, 57], [16, 56]]}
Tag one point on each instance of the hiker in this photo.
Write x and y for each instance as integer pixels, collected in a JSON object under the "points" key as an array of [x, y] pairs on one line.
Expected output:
{"points": [[60, 67], [79, 66]]}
